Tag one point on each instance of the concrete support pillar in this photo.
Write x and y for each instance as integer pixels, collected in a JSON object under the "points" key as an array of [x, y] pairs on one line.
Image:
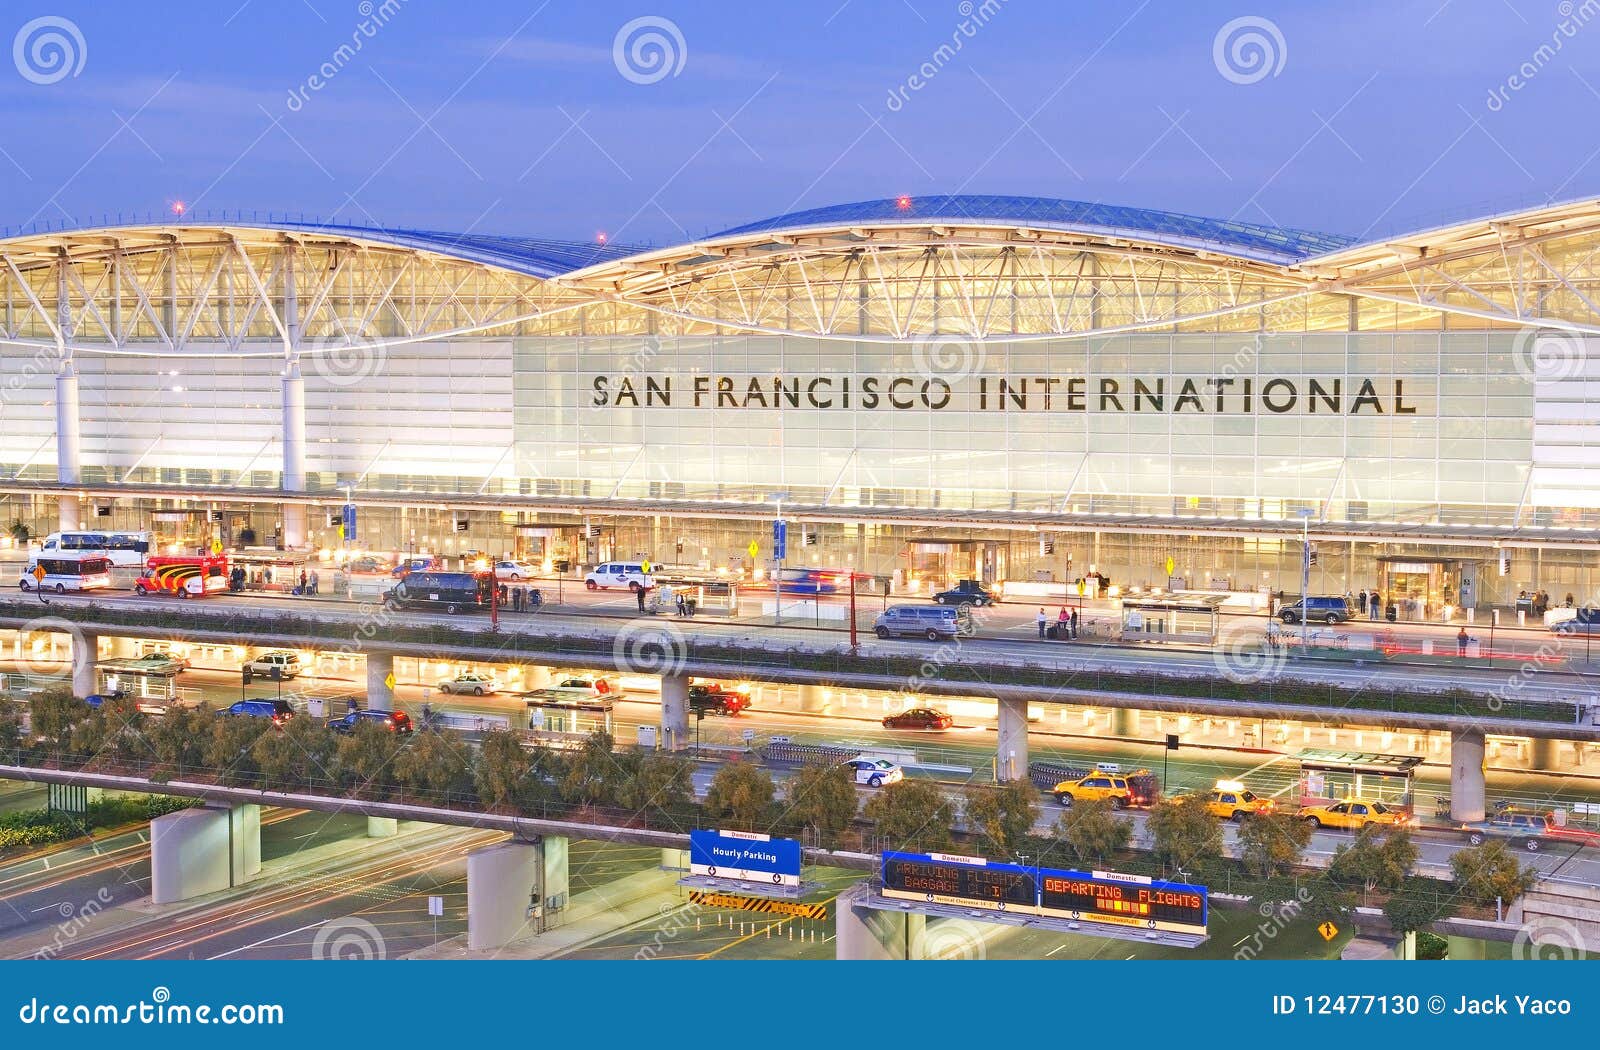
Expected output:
{"points": [[868, 934], [1466, 775], [85, 653], [674, 712], [1542, 753], [380, 673], [382, 827], [198, 851], [1124, 722], [1011, 753], [513, 889], [1466, 948], [69, 445], [294, 454], [535, 677], [673, 859], [817, 699]]}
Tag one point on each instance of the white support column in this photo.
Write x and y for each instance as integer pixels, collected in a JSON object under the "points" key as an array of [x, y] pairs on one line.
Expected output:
{"points": [[867, 934], [674, 712], [198, 851], [504, 894], [1124, 722], [69, 431], [380, 672], [294, 454], [85, 653], [382, 827], [1011, 753], [1467, 793]]}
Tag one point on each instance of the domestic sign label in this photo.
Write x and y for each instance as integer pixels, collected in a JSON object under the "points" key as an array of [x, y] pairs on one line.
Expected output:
{"points": [[744, 857]]}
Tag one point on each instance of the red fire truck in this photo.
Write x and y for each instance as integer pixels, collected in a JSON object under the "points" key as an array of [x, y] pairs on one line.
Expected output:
{"points": [[185, 575]]}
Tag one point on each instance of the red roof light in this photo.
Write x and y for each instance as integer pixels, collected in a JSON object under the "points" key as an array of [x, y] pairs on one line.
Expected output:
{"points": [[903, 202]]}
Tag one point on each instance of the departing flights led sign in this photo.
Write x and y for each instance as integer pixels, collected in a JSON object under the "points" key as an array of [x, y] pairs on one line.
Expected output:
{"points": [[1103, 897]]}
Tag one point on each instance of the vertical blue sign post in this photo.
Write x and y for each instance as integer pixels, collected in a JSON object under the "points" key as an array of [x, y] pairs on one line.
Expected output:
{"points": [[347, 527], [780, 539]]}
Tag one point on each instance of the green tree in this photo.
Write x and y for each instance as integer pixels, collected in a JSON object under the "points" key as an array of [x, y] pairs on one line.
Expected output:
{"points": [[366, 759], [53, 713], [912, 815], [661, 782], [20, 532], [1092, 831], [1185, 835], [501, 767], [228, 751], [11, 734], [178, 741], [595, 774], [297, 755], [1489, 871], [1272, 843], [1002, 817], [435, 765], [1378, 859], [821, 798], [1416, 904], [740, 797]]}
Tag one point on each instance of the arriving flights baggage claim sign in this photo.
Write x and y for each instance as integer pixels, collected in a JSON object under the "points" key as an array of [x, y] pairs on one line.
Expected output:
{"points": [[1104, 897], [744, 857]]}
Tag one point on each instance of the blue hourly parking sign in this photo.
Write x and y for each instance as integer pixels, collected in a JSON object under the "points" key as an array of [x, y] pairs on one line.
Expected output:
{"points": [[744, 857]]}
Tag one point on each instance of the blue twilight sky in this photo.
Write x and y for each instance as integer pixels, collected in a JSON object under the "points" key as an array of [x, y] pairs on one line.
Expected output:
{"points": [[1356, 117]]}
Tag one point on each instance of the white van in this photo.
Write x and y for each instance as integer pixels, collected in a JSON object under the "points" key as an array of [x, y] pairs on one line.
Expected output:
{"points": [[67, 571], [629, 574], [932, 622]]}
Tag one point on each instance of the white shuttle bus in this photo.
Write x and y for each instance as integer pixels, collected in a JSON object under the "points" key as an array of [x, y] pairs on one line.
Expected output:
{"points": [[123, 549], [67, 571]]}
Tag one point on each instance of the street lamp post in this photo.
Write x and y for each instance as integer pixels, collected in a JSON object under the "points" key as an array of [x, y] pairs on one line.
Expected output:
{"points": [[1305, 579]]}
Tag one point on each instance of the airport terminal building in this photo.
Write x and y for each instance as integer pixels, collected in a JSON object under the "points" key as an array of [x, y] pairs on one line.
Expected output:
{"points": [[929, 388]]}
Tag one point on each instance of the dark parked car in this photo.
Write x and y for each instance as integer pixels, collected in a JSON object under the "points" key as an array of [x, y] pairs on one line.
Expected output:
{"points": [[715, 700], [396, 721], [919, 718], [277, 710], [1328, 609], [967, 592]]}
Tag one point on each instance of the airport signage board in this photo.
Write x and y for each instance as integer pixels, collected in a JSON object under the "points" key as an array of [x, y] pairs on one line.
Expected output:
{"points": [[1106, 898], [742, 856]]}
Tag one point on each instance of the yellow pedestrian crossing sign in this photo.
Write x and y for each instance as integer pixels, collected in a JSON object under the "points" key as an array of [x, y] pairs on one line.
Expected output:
{"points": [[754, 548], [216, 546], [1171, 565], [645, 567], [388, 681], [1328, 930]]}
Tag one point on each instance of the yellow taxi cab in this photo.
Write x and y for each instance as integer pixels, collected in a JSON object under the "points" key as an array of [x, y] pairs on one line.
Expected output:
{"points": [[1231, 800], [1123, 789], [1352, 813]]}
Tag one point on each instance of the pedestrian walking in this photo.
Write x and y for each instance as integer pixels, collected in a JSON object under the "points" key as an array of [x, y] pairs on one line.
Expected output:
{"points": [[313, 583], [638, 593], [1040, 621], [683, 604], [1377, 603], [1074, 623], [1361, 602], [1461, 642]]}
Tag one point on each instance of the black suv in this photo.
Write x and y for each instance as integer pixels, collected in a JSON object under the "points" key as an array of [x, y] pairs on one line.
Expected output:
{"points": [[967, 592], [715, 700]]}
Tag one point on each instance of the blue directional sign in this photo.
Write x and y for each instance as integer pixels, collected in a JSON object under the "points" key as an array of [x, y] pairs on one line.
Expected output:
{"points": [[741, 856], [780, 539], [347, 528]]}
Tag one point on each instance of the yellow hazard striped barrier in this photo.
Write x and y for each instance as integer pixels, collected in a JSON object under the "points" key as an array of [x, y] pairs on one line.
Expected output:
{"points": [[734, 900]]}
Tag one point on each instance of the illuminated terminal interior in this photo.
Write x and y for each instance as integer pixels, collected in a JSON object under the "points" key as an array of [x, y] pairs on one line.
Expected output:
{"points": [[930, 388]]}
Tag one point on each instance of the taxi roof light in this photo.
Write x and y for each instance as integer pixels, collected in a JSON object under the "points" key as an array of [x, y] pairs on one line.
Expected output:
{"points": [[1230, 785]]}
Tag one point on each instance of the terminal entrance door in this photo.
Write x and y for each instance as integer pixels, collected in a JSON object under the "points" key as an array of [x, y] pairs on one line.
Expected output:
{"points": [[1421, 588]]}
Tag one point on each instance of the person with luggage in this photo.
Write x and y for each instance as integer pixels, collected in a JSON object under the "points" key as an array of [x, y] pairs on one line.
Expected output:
{"points": [[1042, 622]]}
